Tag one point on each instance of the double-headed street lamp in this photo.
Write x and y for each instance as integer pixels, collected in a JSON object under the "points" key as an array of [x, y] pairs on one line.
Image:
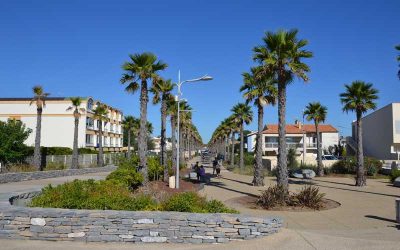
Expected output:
{"points": [[179, 84]]}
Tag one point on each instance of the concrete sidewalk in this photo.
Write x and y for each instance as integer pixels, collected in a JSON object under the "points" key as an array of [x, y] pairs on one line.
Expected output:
{"points": [[365, 219]]}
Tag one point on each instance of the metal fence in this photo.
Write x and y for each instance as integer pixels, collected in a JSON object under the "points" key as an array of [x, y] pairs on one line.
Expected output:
{"points": [[84, 160]]}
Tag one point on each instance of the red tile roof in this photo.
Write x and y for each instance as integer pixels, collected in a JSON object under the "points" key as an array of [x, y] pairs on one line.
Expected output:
{"points": [[294, 129]]}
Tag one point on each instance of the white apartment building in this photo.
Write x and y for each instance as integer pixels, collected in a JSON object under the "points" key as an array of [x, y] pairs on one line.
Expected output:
{"points": [[296, 135], [157, 145], [380, 133], [58, 123]]}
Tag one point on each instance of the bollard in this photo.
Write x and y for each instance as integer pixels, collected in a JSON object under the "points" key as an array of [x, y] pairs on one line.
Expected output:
{"points": [[398, 210], [172, 182]]}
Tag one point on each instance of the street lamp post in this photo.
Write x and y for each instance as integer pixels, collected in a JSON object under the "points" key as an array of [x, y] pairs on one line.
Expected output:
{"points": [[179, 84]]}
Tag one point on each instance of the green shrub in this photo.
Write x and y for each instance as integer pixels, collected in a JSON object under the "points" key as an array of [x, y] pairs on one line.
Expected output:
{"points": [[55, 166], [124, 162], [309, 196], [194, 203], [86, 151], [127, 177], [91, 194], [348, 166], [155, 170], [248, 158], [394, 174], [291, 159], [274, 196], [20, 167]]}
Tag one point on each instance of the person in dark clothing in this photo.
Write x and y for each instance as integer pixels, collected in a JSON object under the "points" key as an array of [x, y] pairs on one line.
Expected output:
{"points": [[197, 170], [202, 173], [215, 163]]}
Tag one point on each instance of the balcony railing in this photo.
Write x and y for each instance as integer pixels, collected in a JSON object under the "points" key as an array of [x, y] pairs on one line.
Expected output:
{"points": [[89, 144], [291, 145]]}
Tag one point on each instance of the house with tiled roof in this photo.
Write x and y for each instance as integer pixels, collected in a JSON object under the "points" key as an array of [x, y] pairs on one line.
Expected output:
{"points": [[301, 137]]}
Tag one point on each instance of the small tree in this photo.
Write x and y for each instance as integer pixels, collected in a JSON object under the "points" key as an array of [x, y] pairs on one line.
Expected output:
{"points": [[13, 133]]}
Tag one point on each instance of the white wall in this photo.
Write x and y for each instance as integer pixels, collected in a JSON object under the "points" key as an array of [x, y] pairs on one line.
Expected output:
{"points": [[329, 139], [57, 123]]}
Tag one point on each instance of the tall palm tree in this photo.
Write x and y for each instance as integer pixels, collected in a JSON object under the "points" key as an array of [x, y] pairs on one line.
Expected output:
{"points": [[162, 93], [317, 112], [398, 59], [142, 67], [100, 114], [129, 124], [261, 91], [243, 115], [39, 98], [281, 55], [359, 98], [76, 107], [185, 120]]}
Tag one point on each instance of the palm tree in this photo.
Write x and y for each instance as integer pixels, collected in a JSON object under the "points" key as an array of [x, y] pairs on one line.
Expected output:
{"points": [[261, 91], [162, 93], [142, 67], [281, 55], [398, 59], [39, 99], [359, 98], [130, 123], [317, 112], [100, 114], [76, 103], [243, 114]]}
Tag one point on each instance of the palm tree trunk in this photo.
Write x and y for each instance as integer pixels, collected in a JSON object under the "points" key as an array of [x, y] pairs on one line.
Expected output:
{"points": [[36, 154], [142, 143], [233, 149], [181, 147], [282, 176], [320, 168], [241, 162], [173, 139], [360, 179], [129, 143], [100, 158], [258, 178], [163, 139], [75, 155]]}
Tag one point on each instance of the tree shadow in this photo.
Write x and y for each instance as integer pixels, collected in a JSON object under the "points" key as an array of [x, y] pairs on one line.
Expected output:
{"points": [[301, 182], [383, 219], [241, 182], [357, 191], [335, 182], [223, 186]]}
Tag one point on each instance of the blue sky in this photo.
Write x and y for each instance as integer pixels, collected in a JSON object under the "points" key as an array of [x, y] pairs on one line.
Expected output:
{"points": [[77, 48]]}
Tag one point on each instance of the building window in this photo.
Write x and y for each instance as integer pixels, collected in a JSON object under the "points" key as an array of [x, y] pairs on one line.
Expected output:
{"points": [[397, 126], [89, 139], [90, 104]]}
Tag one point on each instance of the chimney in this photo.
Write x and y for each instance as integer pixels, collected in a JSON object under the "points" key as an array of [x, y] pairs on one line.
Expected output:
{"points": [[298, 124]]}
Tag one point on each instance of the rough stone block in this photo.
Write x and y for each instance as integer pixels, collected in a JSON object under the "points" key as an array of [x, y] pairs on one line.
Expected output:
{"points": [[153, 239], [38, 221], [76, 235], [244, 231]]}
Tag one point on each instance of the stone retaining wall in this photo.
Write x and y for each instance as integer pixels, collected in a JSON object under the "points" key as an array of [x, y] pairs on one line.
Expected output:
{"points": [[26, 176], [130, 226]]}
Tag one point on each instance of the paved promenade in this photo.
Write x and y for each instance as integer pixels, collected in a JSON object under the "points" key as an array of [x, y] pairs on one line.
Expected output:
{"points": [[365, 219]]}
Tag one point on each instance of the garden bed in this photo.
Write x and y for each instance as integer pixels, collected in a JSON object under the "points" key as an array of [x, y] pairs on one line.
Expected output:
{"points": [[251, 202]]}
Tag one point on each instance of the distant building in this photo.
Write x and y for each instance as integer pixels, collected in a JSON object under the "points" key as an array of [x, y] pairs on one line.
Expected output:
{"points": [[296, 134], [380, 133], [58, 123], [157, 145]]}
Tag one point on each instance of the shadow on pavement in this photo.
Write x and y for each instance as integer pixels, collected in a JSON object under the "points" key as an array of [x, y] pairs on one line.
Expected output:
{"points": [[241, 182], [384, 219]]}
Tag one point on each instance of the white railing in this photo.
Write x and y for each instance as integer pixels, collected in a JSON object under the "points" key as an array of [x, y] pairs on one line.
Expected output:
{"points": [[291, 145]]}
